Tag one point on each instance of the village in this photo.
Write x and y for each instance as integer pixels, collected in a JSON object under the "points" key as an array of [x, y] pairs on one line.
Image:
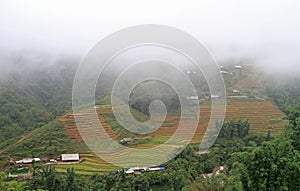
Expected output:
{"points": [[20, 170]]}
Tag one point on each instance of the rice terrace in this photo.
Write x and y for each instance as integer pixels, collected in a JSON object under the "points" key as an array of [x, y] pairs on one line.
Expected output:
{"points": [[261, 114]]}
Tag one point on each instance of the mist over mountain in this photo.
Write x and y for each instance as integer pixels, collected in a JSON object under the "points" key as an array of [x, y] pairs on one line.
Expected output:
{"points": [[253, 145]]}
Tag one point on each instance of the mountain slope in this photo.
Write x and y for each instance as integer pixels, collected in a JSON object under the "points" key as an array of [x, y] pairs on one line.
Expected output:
{"points": [[47, 141]]}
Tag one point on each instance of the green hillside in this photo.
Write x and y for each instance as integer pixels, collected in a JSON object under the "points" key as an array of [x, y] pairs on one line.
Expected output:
{"points": [[32, 98], [47, 141]]}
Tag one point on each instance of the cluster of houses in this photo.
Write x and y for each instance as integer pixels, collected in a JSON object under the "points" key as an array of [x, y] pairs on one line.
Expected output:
{"points": [[64, 158], [238, 67], [138, 170], [212, 96], [28, 160]]}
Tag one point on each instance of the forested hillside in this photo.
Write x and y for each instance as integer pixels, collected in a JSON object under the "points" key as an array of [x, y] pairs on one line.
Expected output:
{"points": [[284, 90], [32, 97]]}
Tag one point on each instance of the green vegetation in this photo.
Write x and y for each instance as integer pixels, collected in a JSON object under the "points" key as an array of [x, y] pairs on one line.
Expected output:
{"points": [[33, 98], [19, 113], [284, 91], [268, 160], [234, 129], [251, 163], [145, 93], [47, 141]]}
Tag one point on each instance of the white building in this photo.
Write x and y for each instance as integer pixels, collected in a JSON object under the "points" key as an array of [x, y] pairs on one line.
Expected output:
{"points": [[238, 67], [212, 96], [236, 91], [70, 157], [192, 97], [223, 72]]}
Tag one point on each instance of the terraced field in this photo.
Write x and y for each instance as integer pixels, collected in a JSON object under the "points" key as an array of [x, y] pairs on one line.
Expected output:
{"points": [[73, 132], [91, 164], [263, 116]]}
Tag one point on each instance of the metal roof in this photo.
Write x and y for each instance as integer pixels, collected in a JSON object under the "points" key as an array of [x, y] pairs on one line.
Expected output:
{"points": [[69, 157]]}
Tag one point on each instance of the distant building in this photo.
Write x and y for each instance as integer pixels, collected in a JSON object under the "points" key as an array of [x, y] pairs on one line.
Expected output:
{"points": [[212, 96], [28, 160], [37, 160], [236, 91], [127, 140], [224, 72], [193, 97], [133, 170], [129, 171], [53, 161], [70, 157], [238, 67]]}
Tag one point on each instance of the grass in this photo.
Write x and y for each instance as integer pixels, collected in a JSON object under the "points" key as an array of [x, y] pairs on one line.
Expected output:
{"points": [[46, 141], [275, 121], [92, 164]]}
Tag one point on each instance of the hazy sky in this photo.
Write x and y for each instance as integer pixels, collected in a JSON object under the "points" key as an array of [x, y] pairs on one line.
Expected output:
{"points": [[268, 31]]}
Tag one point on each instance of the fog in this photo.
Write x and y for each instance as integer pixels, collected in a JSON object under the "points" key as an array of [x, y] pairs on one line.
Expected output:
{"points": [[266, 32]]}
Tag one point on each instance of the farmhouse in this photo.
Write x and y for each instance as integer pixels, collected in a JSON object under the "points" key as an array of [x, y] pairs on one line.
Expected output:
{"points": [[236, 91], [192, 97], [223, 72], [70, 157], [37, 160], [212, 96], [134, 170], [126, 140], [28, 160]]}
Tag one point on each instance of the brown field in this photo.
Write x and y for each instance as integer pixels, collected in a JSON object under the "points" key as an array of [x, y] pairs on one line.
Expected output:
{"points": [[249, 83], [259, 113], [262, 115]]}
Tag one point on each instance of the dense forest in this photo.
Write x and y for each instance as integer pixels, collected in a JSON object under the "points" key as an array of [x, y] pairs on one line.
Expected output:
{"points": [[34, 97]]}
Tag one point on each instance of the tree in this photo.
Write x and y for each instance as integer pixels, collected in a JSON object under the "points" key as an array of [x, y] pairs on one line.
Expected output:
{"points": [[141, 183], [266, 167], [177, 179], [294, 127], [48, 177], [2, 183], [70, 182], [233, 129]]}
